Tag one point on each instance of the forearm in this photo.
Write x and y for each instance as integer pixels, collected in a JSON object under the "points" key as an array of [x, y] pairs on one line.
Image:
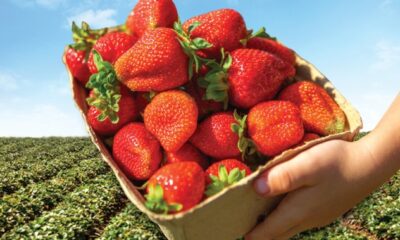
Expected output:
{"points": [[383, 142]]}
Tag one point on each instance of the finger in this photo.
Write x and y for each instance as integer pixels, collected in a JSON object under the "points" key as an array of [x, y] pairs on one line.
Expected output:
{"points": [[287, 215], [286, 177]]}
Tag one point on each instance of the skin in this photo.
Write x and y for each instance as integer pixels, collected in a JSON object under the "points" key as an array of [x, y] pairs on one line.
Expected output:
{"points": [[327, 180]]}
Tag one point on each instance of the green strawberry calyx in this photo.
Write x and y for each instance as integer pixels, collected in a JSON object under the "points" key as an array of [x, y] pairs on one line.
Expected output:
{"points": [[216, 80], [156, 203], [224, 179], [190, 46], [245, 145], [84, 37], [260, 33], [106, 90]]}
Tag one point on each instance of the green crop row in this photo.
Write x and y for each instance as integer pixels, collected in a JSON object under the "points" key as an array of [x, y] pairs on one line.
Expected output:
{"points": [[12, 145], [13, 150], [334, 231], [45, 150], [77, 217], [380, 212], [132, 224], [29, 202], [42, 170]]}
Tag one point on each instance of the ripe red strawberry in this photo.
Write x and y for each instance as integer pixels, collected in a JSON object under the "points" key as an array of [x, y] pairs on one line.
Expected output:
{"points": [[275, 126], [215, 138], [110, 47], [255, 76], [307, 138], [78, 52], [136, 151], [319, 111], [310, 136], [222, 28], [175, 187], [172, 118], [205, 106], [187, 153], [155, 63], [273, 47], [127, 113], [223, 174], [77, 65], [150, 14]]}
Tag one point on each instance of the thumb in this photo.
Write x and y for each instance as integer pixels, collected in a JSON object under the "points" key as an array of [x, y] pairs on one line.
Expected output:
{"points": [[285, 177]]}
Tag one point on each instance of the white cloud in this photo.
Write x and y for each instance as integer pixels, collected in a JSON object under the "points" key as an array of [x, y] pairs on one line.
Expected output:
{"points": [[40, 120], [95, 18], [8, 82], [387, 55], [372, 106]]}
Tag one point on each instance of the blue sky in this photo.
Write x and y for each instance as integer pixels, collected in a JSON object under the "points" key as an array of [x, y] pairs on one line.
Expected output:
{"points": [[356, 44]]}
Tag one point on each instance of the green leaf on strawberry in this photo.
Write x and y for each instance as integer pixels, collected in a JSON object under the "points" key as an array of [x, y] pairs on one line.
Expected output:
{"points": [[156, 203], [260, 33], [106, 90], [190, 46], [246, 145], [216, 80], [224, 179]]}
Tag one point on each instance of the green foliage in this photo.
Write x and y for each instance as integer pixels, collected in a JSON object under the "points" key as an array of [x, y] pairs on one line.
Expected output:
{"points": [[156, 203], [77, 217], [380, 212], [334, 231], [29, 202], [74, 196], [132, 224], [43, 169], [224, 179]]}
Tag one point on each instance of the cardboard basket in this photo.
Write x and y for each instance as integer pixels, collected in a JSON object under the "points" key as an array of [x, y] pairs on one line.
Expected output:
{"points": [[234, 211]]}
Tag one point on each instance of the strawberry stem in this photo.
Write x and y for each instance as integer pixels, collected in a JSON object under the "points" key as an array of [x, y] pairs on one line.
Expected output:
{"points": [[260, 33], [156, 203], [216, 80], [224, 179], [245, 145], [190, 46], [106, 90]]}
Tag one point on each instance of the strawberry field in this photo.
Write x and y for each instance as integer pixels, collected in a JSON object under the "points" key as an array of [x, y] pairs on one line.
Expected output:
{"points": [[59, 188]]}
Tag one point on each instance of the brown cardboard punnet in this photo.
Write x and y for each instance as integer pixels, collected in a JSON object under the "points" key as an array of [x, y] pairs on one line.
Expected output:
{"points": [[235, 210]]}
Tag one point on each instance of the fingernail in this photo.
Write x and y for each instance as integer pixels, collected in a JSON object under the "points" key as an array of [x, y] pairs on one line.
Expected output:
{"points": [[261, 186]]}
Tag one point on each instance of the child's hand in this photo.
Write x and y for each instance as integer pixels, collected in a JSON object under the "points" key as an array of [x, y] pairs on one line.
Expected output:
{"points": [[323, 183]]}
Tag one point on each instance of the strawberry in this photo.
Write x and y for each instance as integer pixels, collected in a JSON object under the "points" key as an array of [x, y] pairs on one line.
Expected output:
{"points": [[273, 47], [175, 187], [172, 118], [155, 63], [136, 151], [215, 138], [187, 153], [319, 111], [78, 52], [255, 76], [77, 65], [275, 126], [142, 100], [223, 174], [150, 14], [111, 46], [222, 28], [205, 106], [104, 126], [307, 138], [249, 76]]}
